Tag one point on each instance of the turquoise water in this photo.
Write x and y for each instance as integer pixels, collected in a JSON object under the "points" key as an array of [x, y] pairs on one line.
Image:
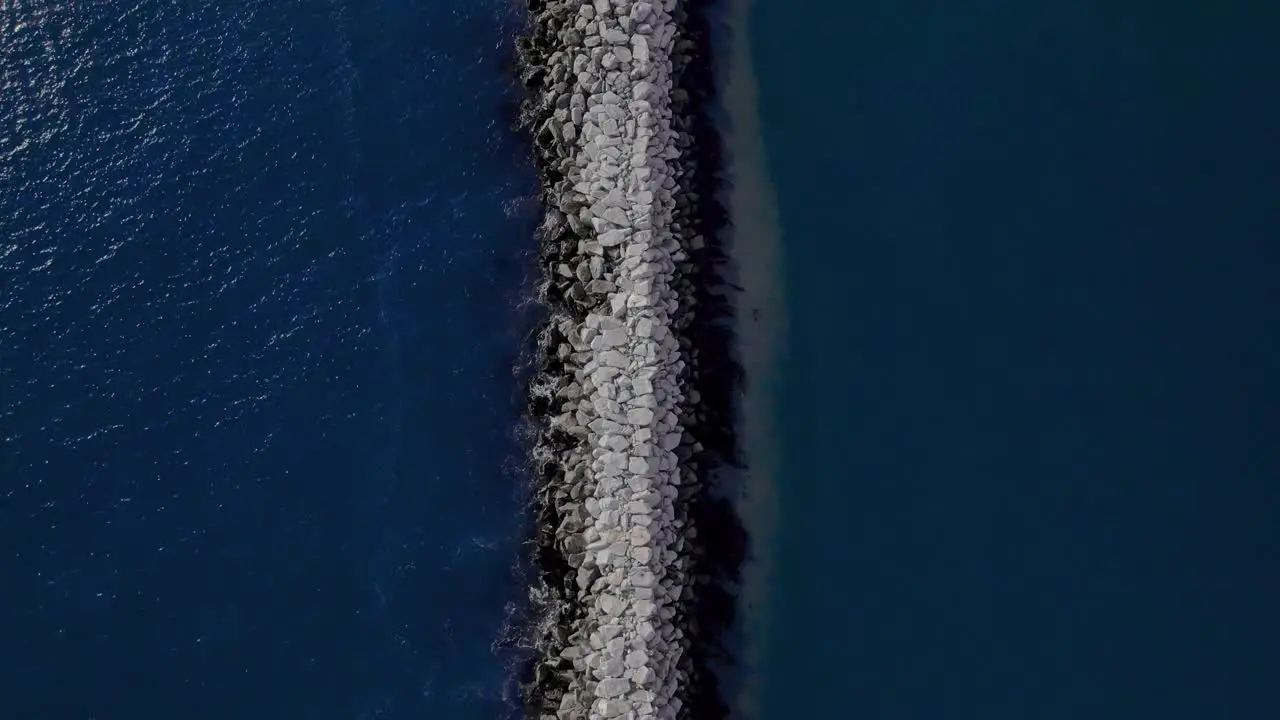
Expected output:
{"points": [[1028, 397]]}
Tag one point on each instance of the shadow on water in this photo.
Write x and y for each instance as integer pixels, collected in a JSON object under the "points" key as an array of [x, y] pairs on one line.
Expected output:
{"points": [[722, 545]]}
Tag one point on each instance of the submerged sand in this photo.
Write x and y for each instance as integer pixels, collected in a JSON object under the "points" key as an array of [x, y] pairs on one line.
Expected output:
{"points": [[757, 254]]}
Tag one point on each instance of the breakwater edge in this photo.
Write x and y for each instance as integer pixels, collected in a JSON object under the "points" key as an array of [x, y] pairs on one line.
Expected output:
{"points": [[633, 400]]}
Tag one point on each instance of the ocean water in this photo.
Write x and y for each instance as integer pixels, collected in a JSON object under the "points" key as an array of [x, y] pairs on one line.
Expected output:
{"points": [[262, 266], [1028, 396]]}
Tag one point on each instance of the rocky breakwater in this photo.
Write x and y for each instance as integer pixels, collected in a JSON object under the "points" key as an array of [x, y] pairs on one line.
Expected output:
{"points": [[616, 455]]}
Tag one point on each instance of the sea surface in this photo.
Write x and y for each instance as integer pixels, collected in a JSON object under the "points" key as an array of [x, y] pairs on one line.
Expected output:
{"points": [[1028, 399], [265, 269], [262, 272]]}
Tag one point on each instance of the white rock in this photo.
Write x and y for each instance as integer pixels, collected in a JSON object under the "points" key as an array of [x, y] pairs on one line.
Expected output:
{"points": [[643, 676], [609, 604], [614, 707], [617, 216], [642, 578], [640, 536], [615, 338], [610, 630], [613, 359], [640, 49], [612, 237], [613, 687], [637, 658]]}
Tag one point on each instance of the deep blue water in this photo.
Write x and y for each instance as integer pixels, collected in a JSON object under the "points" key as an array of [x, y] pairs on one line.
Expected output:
{"points": [[261, 265], [1030, 399]]}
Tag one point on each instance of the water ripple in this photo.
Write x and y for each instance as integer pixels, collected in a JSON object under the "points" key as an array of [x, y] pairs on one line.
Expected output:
{"points": [[231, 267]]}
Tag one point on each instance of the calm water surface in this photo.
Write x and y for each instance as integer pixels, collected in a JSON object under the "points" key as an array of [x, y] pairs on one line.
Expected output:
{"points": [[1029, 399]]}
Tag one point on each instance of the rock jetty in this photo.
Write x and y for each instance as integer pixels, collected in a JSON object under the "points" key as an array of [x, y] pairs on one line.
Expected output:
{"points": [[633, 546]]}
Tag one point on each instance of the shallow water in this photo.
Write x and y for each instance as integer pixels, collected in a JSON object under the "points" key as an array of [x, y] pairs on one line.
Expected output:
{"points": [[262, 265], [1026, 416]]}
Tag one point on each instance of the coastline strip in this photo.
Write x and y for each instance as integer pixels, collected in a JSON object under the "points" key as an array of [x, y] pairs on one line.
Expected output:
{"points": [[627, 440]]}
